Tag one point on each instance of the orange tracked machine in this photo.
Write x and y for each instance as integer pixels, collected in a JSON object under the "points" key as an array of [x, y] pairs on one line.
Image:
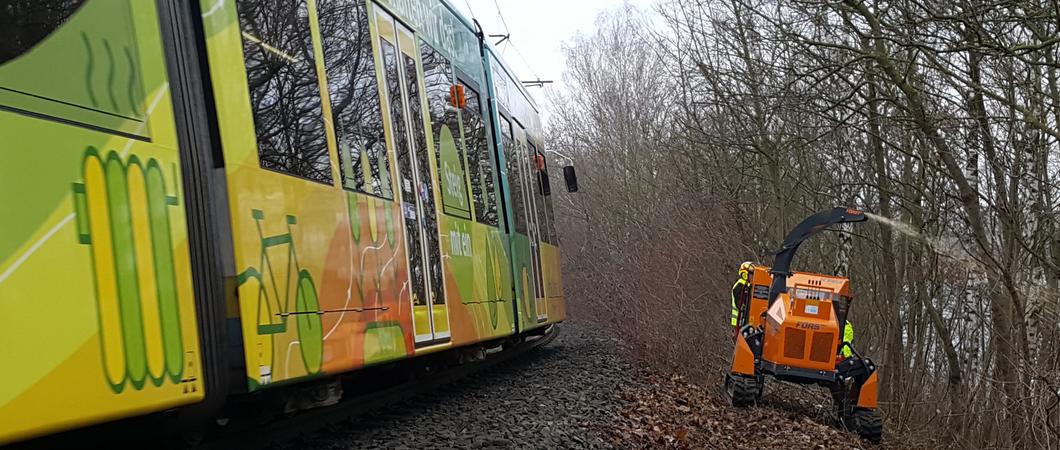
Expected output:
{"points": [[791, 328]]}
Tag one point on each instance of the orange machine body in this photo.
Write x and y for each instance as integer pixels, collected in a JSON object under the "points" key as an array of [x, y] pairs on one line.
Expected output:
{"points": [[795, 335], [801, 328]]}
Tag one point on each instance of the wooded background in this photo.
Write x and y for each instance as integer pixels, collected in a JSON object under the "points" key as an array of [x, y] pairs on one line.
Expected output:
{"points": [[705, 129]]}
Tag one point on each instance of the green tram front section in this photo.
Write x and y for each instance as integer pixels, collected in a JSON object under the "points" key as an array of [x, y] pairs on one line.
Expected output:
{"points": [[370, 206], [95, 275], [533, 243]]}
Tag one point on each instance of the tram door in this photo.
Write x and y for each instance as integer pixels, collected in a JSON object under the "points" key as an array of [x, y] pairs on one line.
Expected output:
{"points": [[535, 162], [399, 50], [533, 216], [527, 170]]}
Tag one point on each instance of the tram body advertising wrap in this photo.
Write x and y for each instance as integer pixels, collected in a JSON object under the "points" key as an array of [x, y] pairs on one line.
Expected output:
{"points": [[207, 199]]}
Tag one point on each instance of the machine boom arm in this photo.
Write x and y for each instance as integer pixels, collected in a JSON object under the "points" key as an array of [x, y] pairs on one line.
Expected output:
{"points": [[809, 227]]}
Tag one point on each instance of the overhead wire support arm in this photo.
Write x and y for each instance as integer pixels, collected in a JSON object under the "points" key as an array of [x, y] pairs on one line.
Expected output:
{"points": [[536, 83], [504, 37]]}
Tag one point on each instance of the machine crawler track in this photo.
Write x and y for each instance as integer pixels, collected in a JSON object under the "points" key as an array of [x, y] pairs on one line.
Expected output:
{"points": [[868, 424], [742, 391]]}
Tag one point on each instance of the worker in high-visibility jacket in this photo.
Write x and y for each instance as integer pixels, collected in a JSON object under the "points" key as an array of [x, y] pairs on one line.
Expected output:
{"points": [[848, 337], [738, 291]]}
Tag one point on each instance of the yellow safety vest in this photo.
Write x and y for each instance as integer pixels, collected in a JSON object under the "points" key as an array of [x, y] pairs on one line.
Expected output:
{"points": [[735, 310], [848, 336]]}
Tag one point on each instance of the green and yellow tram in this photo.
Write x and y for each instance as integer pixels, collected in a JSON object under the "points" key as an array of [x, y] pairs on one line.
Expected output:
{"points": [[264, 191]]}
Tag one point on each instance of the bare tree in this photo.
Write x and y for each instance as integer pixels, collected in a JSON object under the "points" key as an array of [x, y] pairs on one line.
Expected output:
{"points": [[705, 134]]}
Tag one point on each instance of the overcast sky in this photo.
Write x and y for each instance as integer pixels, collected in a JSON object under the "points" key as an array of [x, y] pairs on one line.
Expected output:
{"points": [[538, 28]]}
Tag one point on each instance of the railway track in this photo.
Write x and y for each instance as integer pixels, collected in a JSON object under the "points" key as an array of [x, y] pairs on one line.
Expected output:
{"points": [[428, 389], [259, 420]]}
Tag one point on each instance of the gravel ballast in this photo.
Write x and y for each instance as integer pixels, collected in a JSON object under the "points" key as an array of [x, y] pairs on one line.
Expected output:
{"points": [[563, 395], [579, 391]]}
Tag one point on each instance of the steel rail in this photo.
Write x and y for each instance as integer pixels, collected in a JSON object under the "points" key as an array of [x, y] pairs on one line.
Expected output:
{"points": [[315, 419]]}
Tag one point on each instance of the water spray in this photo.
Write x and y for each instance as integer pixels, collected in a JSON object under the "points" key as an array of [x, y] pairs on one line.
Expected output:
{"points": [[953, 250]]}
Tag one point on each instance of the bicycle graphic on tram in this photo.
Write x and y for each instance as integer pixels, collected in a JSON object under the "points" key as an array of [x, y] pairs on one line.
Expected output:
{"points": [[274, 305]]}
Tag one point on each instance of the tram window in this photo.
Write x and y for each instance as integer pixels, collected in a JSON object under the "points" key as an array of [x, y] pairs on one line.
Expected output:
{"points": [[34, 37], [445, 127], [553, 237], [537, 166], [508, 146], [26, 23], [513, 155], [430, 219], [397, 115], [479, 156], [500, 83], [354, 93], [284, 95], [419, 138]]}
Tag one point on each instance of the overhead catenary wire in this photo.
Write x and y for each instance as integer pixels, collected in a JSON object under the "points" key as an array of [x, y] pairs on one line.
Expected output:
{"points": [[503, 37], [508, 40], [525, 62], [470, 10], [501, 16]]}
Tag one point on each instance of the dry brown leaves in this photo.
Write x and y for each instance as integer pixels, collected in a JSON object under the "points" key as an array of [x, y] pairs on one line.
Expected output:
{"points": [[671, 412]]}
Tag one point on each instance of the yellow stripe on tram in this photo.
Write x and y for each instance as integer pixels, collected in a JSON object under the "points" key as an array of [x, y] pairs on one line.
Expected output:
{"points": [[527, 301], [106, 284], [421, 317], [373, 227], [441, 318], [145, 273]]}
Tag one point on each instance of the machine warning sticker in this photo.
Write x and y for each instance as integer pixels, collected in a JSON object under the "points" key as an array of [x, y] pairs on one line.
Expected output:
{"points": [[760, 291], [810, 309]]}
